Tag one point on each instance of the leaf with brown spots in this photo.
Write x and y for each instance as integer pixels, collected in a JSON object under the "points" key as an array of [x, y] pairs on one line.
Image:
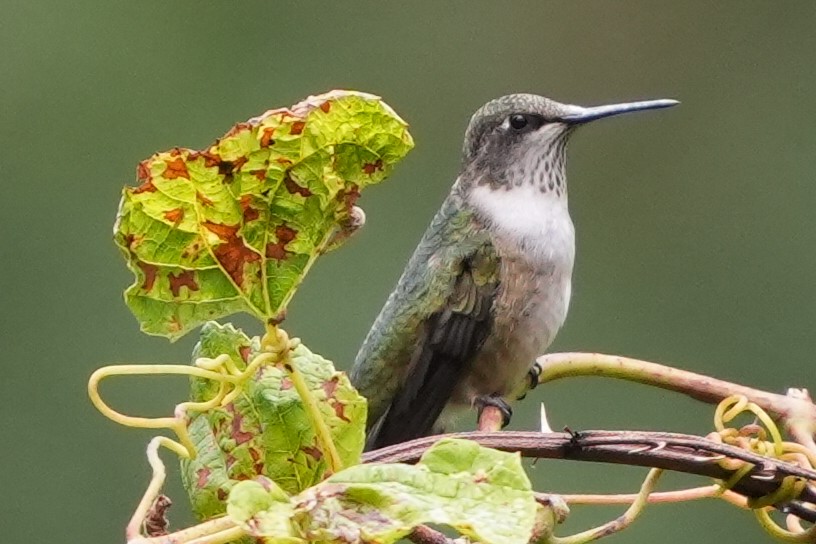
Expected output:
{"points": [[371, 167], [258, 462], [265, 431], [313, 452], [277, 250], [481, 493], [297, 128], [203, 476], [294, 188], [184, 279], [175, 215], [234, 227], [176, 169]]}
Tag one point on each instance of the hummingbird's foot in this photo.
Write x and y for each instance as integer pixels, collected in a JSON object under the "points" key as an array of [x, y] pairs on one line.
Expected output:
{"points": [[533, 375], [483, 401], [532, 380]]}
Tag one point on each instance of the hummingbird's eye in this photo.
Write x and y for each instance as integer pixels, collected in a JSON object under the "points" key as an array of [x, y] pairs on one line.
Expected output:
{"points": [[518, 121], [525, 122]]}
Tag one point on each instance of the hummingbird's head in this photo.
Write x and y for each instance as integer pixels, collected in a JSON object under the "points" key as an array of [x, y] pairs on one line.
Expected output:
{"points": [[520, 140]]}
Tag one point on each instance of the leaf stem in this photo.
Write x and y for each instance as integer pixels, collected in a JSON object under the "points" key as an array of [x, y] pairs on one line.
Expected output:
{"points": [[276, 341], [619, 523]]}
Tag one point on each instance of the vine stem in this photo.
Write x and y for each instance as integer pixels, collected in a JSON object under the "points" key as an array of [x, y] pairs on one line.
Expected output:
{"points": [[208, 532], [783, 480], [681, 495], [134, 527], [555, 366], [670, 451], [201, 533], [618, 524]]}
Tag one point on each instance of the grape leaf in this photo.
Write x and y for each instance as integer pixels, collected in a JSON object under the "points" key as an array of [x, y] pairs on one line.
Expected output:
{"points": [[482, 493], [266, 430], [263, 510], [235, 227]]}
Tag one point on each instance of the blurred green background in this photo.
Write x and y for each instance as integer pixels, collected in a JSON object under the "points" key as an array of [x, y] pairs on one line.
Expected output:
{"points": [[695, 225]]}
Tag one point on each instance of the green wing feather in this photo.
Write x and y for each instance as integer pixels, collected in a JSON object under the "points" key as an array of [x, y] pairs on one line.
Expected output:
{"points": [[456, 240]]}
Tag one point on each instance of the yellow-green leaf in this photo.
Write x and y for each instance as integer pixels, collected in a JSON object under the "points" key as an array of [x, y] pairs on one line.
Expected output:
{"points": [[236, 226], [264, 511], [482, 493], [266, 431]]}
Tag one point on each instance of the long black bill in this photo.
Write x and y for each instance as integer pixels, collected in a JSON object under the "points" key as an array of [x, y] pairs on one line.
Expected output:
{"points": [[585, 115]]}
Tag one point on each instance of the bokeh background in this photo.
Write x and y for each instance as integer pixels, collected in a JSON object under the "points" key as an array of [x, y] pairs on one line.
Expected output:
{"points": [[696, 229]]}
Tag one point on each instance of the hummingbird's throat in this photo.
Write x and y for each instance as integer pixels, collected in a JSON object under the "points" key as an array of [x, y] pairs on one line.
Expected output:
{"points": [[542, 167]]}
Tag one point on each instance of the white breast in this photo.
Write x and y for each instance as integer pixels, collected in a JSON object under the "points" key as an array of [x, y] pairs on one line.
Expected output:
{"points": [[533, 234], [537, 223]]}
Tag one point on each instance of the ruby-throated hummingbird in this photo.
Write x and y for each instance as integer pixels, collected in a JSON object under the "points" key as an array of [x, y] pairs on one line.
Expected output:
{"points": [[488, 287]]}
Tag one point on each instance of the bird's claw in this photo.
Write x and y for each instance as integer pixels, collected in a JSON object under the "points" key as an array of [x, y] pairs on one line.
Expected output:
{"points": [[497, 402], [532, 380], [533, 375]]}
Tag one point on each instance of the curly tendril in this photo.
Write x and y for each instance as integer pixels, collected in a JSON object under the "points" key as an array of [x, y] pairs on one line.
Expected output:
{"points": [[276, 347], [755, 438]]}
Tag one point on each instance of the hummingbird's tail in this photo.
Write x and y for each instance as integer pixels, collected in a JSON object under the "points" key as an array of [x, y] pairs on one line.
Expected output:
{"points": [[413, 414], [450, 339]]}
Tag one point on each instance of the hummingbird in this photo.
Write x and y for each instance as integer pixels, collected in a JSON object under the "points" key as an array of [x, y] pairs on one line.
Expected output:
{"points": [[489, 284]]}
